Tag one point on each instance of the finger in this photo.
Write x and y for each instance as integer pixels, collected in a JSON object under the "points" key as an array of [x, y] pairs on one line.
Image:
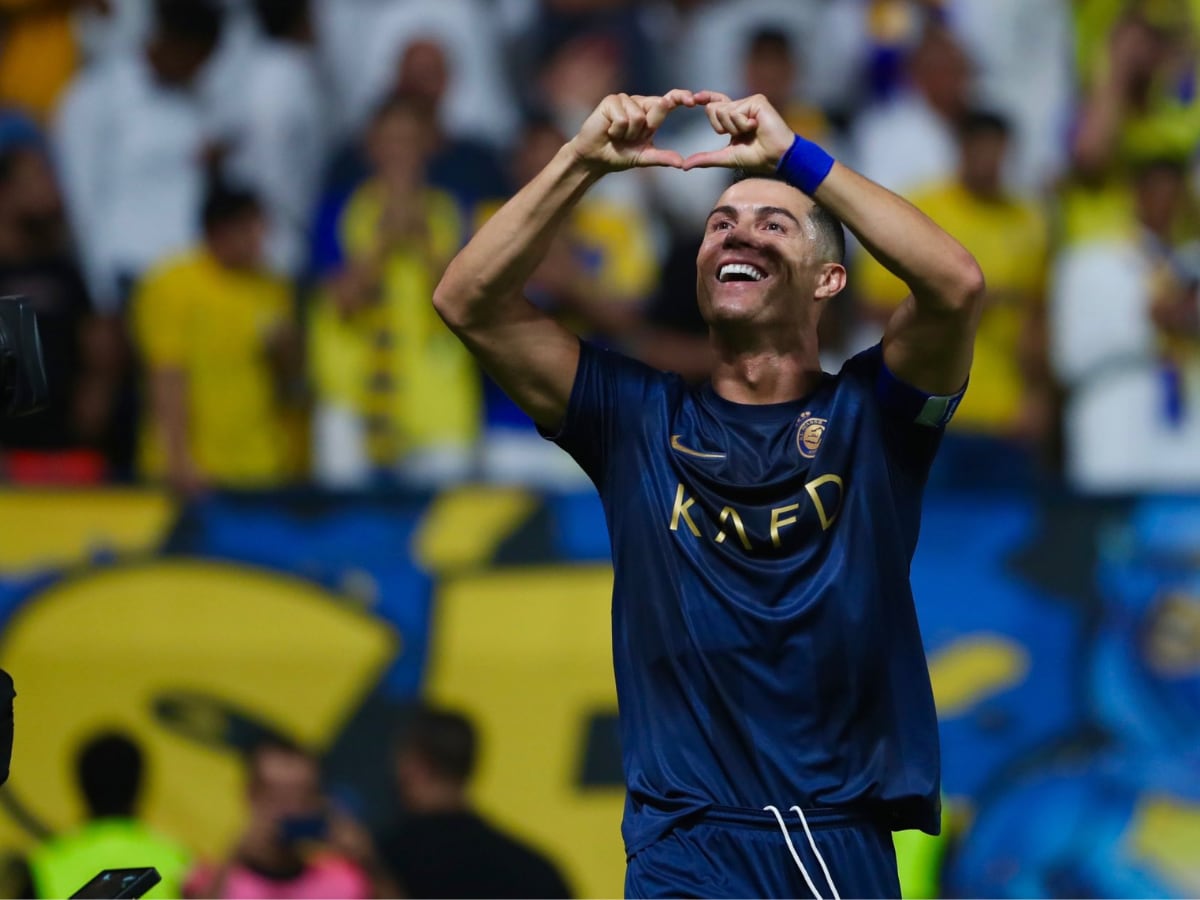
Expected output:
{"points": [[714, 119], [726, 116], [635, 130], [679, 97], [710, 159], [656, 112], [671, 99], [657, 108], [743, 121], [614, 111], [706, 97], [653, 156]]}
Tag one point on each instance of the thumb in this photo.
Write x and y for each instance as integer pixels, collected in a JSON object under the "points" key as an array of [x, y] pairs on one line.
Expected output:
{"points": [[709, 159], [653, 156]]}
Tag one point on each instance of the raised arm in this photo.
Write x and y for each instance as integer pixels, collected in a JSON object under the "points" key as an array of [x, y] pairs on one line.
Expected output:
{"points": [[480, 296], [929, 339]]}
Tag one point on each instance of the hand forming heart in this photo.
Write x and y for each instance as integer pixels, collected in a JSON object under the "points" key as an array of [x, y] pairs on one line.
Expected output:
{"points": [[619, 134]]}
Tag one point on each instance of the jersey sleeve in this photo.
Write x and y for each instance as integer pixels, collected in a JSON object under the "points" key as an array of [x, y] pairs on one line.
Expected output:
{"points": [[913, 420], [609, 393], [160, 320]]}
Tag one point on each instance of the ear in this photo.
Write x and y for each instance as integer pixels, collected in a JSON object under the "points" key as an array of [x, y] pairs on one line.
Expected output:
{"points": [[830, 281]]}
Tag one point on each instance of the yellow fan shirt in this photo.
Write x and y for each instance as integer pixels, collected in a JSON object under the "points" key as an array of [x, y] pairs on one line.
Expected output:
{"points": [[213, 324], [1009, 239], [397, 360]]}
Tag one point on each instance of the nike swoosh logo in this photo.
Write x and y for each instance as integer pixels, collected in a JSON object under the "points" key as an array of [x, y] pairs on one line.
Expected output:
{"points": [[675, 445]]}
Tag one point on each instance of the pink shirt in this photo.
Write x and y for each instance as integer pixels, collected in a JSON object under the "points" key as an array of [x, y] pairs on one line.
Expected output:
{"points": [[325, 876]]}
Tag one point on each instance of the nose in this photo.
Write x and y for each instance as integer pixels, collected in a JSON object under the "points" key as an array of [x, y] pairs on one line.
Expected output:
{"points": [[740, 237]]}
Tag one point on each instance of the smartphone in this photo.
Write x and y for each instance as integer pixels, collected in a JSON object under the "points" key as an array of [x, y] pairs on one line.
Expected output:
{"points": [[304, 828], [114, 883]]}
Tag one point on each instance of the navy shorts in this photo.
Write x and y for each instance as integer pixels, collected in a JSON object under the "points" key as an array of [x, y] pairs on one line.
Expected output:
{"points": [[743, 853]]}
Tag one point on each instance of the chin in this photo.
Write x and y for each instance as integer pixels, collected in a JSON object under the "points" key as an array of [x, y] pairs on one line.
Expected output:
{"points": [[740, 304], [733, 313]]}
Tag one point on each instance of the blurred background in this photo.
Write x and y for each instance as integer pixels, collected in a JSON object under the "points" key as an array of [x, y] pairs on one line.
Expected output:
{"points": [[295, 599]]}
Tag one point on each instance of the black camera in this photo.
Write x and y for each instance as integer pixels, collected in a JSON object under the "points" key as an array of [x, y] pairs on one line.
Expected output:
{"points": [[23, 387]]}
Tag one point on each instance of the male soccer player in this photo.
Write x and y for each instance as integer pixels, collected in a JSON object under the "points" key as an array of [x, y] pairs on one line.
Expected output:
{"points": [[776, 716]]}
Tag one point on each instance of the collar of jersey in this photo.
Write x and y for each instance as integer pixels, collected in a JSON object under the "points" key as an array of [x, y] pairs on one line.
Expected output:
{"points": [[758, 412]]}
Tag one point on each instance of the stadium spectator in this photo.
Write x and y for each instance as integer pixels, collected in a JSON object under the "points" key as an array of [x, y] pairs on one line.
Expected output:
{"points": [[17, 129], [677, 338], [1008, 411], [1140, 105], [343, 28], [40, 53], [468, 168], [1125, 333], [596, 278], [295, 843], [281, 140], [704, 44], [771, 66], [570, 80], [214, 326], [604, 268], [442, 847], [1023, 49], [627, 26], [109, 29], [479, 101], [908, 140], [397, 396], [131, 143], [79, 349], [110, 770]]}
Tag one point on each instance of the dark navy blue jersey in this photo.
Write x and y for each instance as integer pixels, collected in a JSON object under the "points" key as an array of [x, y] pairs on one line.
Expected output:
{"points": [[765, 642]]}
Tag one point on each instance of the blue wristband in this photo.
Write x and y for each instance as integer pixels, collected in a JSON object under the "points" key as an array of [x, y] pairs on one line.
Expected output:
{"points": [[805, 165]]}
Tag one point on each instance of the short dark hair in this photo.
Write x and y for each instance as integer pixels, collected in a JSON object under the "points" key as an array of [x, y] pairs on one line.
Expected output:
{"points": [[272, 743], [225, 203], [1159, 164], [769, 38], [828, 228], [9, 158], [976, 122], [280, 18], [831, 234], [402, 102], [189, 20], [109, 767], [444, 739]]}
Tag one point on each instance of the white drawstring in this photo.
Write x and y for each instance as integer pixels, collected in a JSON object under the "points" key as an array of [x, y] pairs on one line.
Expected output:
{"points": [[796, 856], [817, 853]]}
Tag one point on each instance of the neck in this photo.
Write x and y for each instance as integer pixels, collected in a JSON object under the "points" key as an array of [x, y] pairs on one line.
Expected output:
{"points": [[13, 245], [948, 109], [766, 374], [437, 797], [271, 857], [17, 243], [983, 190]]}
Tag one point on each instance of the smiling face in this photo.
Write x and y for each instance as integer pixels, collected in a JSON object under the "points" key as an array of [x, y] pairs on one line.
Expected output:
{"points": [[764, 262]]}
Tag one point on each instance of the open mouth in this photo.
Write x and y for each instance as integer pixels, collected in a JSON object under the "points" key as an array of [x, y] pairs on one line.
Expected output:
{"points": [[739, 272]]}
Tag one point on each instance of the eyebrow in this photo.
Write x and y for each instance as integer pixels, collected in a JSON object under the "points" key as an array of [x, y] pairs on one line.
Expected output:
{"points": [[761, 212]]}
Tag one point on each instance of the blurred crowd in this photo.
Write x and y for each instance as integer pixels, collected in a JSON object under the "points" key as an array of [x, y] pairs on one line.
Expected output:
{"points": [[231, 216], [296, 840]]}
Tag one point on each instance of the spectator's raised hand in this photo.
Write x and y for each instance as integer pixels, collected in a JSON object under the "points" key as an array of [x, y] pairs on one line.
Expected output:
{"points": [[758, 136], [619, 134]]}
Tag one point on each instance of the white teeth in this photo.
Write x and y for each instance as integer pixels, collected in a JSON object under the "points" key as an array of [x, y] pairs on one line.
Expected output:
{"points": [[729, 270]]}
